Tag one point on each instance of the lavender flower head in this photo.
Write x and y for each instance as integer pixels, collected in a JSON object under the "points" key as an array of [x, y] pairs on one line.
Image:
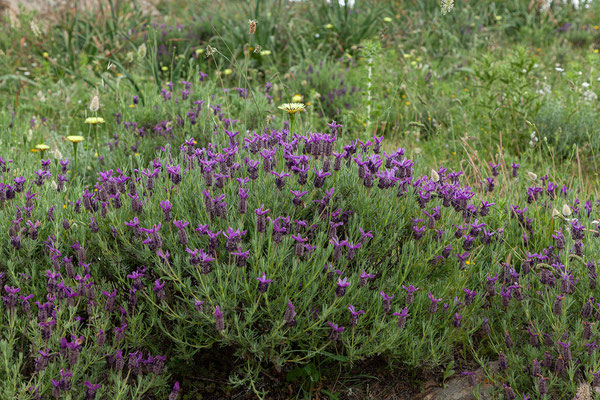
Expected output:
{"points": [[263, 283], [354, 315], [410, 293], [402, 315], [159, 289], [363, 278], [175, 392], [90, 393], [220, 322], [341, 287], [434, 303], [335, 331], [290, 314], [387, 302], [166, 207]]}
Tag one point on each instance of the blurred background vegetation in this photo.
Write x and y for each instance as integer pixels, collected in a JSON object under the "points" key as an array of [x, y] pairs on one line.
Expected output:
{"points": [[511, 76]]}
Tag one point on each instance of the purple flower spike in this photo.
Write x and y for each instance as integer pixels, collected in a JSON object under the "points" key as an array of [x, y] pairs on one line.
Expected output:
{"points": [[469, 296], [220, 323], [502, 362], [363, 278], [166, 207], [261, 219], [280, 181], [457, 320], [494, 168], [354, 315], [352, 249], [335, 331], [199, 257], [387, 302], [340, 291], [175, 392], [515, 169], [365, 236], [181, 233], [263, 283], [159, 289], [243, 195], [240, 257], [434, 303], [510, 393], [290, 314], [65, 380], [596, 381], [297, 200], [402, 315], [320, 178], [90, 394], [410, 293], [174, 174]]}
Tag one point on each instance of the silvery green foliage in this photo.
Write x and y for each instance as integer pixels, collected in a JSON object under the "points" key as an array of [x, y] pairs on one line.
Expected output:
{"points": [[277, 251]]}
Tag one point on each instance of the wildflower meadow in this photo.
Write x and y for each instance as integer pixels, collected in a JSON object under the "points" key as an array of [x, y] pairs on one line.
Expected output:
{"points": [[275, 199]]}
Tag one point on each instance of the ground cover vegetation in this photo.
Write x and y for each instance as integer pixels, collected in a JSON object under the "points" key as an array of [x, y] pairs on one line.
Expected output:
{"points": [[247, 199]]}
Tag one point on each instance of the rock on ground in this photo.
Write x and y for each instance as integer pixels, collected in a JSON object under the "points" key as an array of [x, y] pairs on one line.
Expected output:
{"points": [[459, 388]]}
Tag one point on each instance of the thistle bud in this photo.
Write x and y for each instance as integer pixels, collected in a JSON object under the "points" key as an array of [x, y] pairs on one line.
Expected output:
{"points": [[252, 26], [95, 104]]}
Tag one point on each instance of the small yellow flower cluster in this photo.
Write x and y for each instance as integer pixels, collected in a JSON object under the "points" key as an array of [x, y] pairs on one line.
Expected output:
{"points": [[292, 108], [75, 139], [94, 120]]}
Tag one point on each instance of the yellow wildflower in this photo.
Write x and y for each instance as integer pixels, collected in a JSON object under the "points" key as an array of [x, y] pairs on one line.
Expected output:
{"points": [[75, 139], [94, 120], [291, 108]]}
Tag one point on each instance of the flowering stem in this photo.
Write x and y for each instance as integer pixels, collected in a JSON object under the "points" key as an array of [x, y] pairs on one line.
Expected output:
{"points": [[75, 157], [96, 139], [292, 119]]}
